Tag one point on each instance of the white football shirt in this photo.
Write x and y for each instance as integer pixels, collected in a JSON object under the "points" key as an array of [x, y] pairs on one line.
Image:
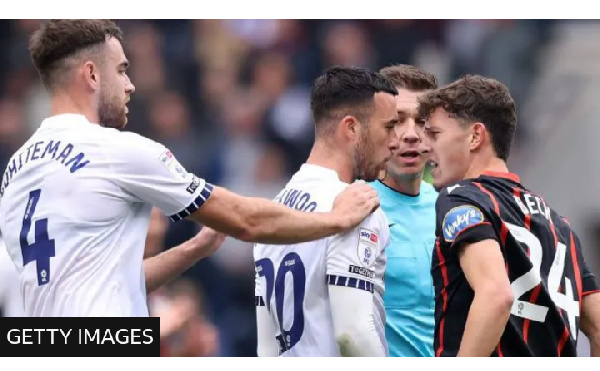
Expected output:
{"points": [[75, 205], [11, 301], [292, 280]]}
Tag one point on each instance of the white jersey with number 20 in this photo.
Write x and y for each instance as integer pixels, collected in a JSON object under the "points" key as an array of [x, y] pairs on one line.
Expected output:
{"points": [[292, 280]]}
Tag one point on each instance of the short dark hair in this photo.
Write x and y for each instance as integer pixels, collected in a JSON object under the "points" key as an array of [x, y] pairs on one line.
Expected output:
{"points": [[344, 91], [405, 76], [475, 98], [59, 39]]}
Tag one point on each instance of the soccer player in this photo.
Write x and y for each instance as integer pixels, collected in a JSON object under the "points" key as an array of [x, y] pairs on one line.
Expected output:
{"points": [[409, 205], [509, 274], [324, 298], [75, 199]]}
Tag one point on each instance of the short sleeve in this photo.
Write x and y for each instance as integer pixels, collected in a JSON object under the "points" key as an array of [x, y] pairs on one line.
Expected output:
{"points": [[149, 172], [589, 282], [461, 218], [351, 256]]}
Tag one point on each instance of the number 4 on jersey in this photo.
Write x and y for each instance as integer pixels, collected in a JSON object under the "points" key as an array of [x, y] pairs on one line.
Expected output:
{"points": [[42, 249]]}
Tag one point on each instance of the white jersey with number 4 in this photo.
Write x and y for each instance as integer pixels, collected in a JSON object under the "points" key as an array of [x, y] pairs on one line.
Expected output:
{"points": [[292, 280], [75, 204]]}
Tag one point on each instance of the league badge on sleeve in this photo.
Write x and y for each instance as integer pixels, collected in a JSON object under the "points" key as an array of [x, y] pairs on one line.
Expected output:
{"points": [[460, 218], [368, 243], [170, 163]]}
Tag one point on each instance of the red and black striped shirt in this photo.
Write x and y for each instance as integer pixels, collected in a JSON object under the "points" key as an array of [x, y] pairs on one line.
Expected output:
{"points": [[546, 268]]}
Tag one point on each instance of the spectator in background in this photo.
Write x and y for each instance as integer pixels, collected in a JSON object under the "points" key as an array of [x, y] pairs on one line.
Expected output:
{"points": [[13, 131], [347, 44], [171, 123], [184, 328]]}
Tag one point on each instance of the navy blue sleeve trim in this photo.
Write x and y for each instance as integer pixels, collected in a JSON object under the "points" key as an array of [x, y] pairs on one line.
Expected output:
{"points": [[357, 283], [259, 301], [195, 205]]}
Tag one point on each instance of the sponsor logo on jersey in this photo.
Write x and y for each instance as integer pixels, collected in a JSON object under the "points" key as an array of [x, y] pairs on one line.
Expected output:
{"points": [[460, 218], [361, 271], [166, 157], [193, 185], [367, 235], [368, 242]]}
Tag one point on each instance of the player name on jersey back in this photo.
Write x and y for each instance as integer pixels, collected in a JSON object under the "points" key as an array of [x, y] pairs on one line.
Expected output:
{"points": [[64, 153], [548, 274], [296, 199], [74, 214]]}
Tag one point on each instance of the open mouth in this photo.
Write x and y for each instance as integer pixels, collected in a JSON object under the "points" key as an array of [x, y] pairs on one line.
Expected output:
{"points": [[432, 163], [410, 154]]}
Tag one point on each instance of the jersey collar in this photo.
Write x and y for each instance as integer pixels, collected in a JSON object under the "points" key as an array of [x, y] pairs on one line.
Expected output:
{"points": [[64, 120], [510, 176], [320, 171]]}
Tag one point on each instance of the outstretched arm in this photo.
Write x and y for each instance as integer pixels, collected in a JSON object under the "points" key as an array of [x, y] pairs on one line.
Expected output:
{"points": [[170, 264], [254, 219]]}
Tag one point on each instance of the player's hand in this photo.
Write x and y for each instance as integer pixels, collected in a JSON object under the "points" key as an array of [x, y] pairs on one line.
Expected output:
{"points": [[354, 204], [206, 242]]}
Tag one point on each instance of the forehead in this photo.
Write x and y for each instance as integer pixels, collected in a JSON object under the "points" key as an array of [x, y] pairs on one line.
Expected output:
{"points": [[407, 100], [115, 49], [439, 118], [385, 104]]}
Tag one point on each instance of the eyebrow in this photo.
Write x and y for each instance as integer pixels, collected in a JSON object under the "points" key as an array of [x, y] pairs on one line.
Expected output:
{"points": [[410, 112]]}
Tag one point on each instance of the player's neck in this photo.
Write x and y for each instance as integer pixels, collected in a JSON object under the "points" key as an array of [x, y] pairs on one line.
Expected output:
{"points": [[323, 154], [64, 103], [407, 185], [493, 164]]}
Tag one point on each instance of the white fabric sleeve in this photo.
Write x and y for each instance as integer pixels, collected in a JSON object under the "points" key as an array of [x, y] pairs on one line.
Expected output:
{"points": [[148, 172], [267, 345], [354, 322], [352, 277], [351, 255]]}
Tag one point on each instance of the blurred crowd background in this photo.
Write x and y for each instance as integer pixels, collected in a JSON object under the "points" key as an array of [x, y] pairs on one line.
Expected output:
{"points": [[230, 98]]}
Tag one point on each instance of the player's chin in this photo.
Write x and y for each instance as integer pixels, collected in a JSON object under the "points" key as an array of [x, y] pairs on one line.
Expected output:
{"points": [[122, 122], [437, 179], [440, 182], [412, 169]]}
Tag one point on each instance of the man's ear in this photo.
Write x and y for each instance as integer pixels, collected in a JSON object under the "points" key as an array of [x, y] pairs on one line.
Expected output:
{"points": [[478, 136], [350, 127], [91, 75]]}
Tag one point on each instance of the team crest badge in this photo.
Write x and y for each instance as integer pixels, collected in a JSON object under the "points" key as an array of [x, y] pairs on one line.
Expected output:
{"points": [[368, 243], [170, 163]]}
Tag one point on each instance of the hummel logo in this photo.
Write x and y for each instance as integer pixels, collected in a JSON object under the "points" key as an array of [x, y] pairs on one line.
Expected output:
{"points": [[450, 189]]}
